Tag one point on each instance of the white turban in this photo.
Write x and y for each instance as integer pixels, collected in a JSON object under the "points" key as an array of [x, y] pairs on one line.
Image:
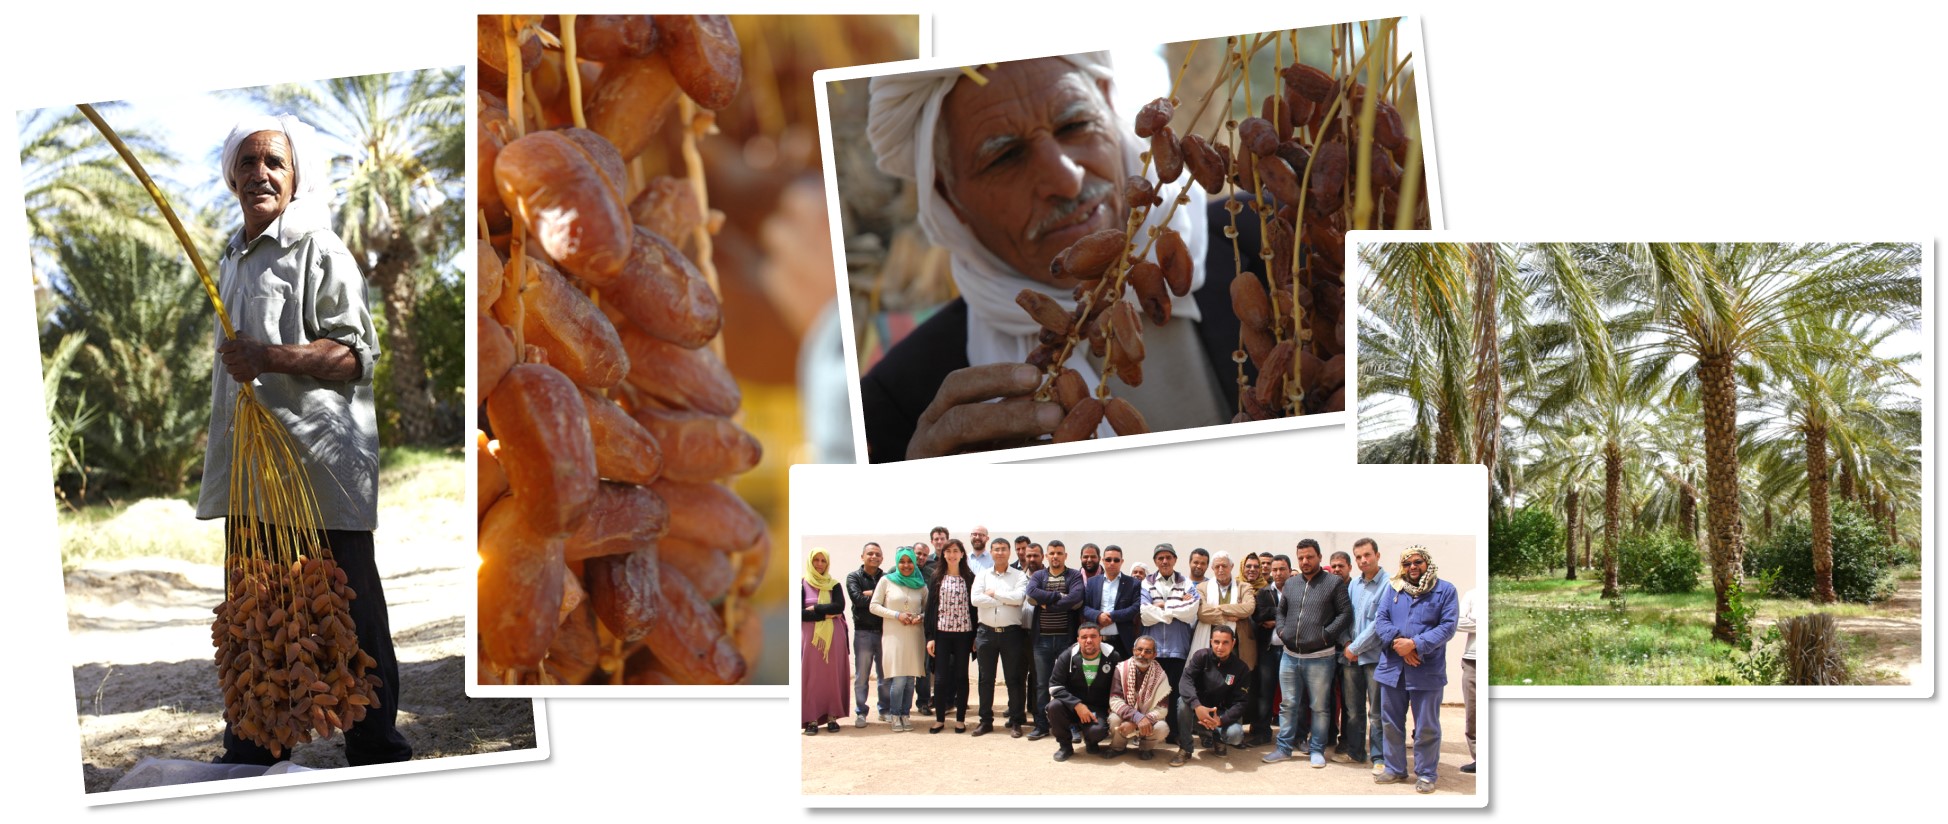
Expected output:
{"points": [[902, 118], [310, 168]]}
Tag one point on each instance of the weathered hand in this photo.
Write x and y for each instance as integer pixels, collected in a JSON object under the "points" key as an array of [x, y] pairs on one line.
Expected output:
{"points": [[1102, 619], [1412, 658], [1083, 714], [1403, 646], [1144, 725], [243, 358], [958, 420], [1352, 656]]}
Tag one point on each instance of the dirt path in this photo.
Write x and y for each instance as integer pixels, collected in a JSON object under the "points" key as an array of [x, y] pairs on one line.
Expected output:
{"points": [[1894, 631], [145, 679], [877, 760]]}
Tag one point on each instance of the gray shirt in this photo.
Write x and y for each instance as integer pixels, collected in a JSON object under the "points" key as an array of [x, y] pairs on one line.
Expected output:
{"points": [[294, 284]]}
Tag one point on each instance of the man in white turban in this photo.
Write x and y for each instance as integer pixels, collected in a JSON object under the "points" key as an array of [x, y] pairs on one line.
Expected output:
{"points": [[1009, 172], [306, 345]]}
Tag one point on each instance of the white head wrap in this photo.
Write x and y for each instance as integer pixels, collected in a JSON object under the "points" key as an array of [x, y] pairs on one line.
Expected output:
{"points": [[903, 116], [310, 170]]}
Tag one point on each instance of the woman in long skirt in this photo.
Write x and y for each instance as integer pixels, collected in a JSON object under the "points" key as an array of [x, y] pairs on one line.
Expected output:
{"points": [[826, 673]]}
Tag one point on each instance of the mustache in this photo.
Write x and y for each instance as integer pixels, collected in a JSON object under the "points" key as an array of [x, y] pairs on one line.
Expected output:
{"points": [[1093, 190]]}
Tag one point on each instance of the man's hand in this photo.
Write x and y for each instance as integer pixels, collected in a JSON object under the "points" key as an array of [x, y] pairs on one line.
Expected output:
{"points": [[244, 358], [1102, 619], [1207, 718], [1351, 656], [1404, 647], [958, 420], [1083, 714], [1144, 725]]}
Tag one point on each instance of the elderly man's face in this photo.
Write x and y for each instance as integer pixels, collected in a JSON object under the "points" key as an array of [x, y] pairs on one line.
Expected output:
{"points": [[1033, 162], [264, 174]]}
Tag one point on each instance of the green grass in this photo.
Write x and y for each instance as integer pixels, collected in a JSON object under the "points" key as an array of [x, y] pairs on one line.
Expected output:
{"points": [[165, 527], [1548, 631]]}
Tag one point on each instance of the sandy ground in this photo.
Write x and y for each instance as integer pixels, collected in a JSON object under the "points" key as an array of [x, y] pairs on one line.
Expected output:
{"points": [[877, 759], [145, 681]]}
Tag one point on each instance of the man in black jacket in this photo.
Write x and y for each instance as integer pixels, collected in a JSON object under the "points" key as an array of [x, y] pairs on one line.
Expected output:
{"points": [[1079, 692], [1270, 654], [866, 626], [1212, 695], [1313, 611]]}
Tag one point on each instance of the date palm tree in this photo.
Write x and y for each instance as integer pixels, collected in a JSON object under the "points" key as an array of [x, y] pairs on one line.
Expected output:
{"points": [[1828, 392], [1724, 304]]}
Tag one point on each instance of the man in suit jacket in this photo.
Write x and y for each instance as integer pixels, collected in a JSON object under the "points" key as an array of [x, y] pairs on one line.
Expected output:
{"points": [[1110, 601]]}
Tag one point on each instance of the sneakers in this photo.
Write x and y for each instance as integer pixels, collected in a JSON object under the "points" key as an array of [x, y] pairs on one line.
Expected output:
{"points": [[1341, 758], [1145, 755], [811, 729], [1180, 759], [1468, 768], [1276, 756], [859, 721], [1318, 760], [1063, 754], [1379, 767], [900, 725], [1384, 777], [1037, 735], [1424, 786], [832, 726]]}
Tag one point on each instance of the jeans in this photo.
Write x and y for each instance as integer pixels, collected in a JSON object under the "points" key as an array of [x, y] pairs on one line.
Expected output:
{"points": [[1047, 647], [1468, 698], [1426, 706], [950, 685], [1187, 727], [865, 659], [901, 691], [1010, 648], [1360, 738], [1314, 677]]}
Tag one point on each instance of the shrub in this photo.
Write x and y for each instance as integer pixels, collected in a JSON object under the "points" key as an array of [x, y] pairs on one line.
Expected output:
{"points": [[1861, 560], [1659, 562], [1765, 663], [1523, 542]]}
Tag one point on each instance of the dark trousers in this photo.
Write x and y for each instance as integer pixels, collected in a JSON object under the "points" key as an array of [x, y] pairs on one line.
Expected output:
{"points": [[1010, 649], [1173, 669], [375, 739], [1264, 699], [1047, 647], [1121, 643], [950, 668], [1062, 721]]}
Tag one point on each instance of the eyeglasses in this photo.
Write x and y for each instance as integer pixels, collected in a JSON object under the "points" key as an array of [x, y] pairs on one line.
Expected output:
{"points": [[1414, 562]]}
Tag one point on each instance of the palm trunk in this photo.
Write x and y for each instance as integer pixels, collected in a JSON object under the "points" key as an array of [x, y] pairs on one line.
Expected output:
{"points": [[1720, 401], [1586, 546], [412, 395], [1816, 499], [1612, 500], [1571, 506], [1445, 447], [1488, 363], [1687, 509]]}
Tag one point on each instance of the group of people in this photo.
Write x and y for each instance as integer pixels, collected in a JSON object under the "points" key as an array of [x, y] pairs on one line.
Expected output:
{"points": [[1316, 660]]}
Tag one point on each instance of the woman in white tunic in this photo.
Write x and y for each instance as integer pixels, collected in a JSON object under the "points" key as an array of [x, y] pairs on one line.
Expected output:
{"points": [[901, 599]]}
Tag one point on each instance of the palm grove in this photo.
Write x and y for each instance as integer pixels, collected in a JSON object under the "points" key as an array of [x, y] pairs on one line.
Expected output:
{"points": [[1729, 405], [126, 331]]}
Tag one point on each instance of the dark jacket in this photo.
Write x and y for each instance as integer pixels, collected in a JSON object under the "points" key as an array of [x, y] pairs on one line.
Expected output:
{"points": [[1066, 684], [901, 386], [1269, 599], [1070, 598], [820, 612], [1123, 613], [859, 590], [1313, 613], [1224, 687], [933, 604]]}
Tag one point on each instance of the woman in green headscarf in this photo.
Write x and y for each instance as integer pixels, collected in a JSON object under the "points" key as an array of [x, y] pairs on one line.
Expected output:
{"points": [[901, 599], [824, 672]]}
